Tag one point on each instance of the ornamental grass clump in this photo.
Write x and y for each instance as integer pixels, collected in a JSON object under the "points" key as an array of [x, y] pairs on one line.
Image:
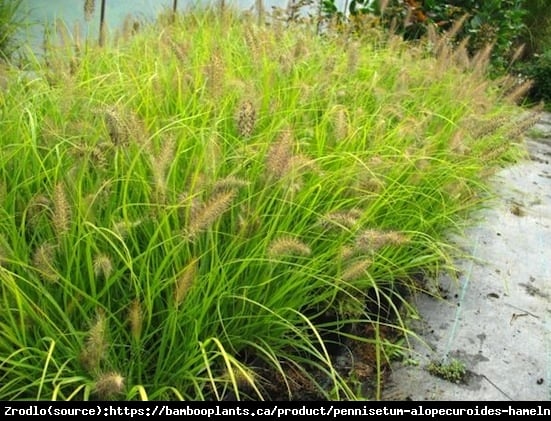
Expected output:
{"points": [[225, 218]]}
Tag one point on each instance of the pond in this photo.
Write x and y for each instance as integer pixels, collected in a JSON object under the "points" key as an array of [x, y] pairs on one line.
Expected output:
{"points": [[43, 12]]}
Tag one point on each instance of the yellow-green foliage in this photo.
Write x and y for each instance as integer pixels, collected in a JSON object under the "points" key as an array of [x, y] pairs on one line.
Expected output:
{"points": [[187, 213]]}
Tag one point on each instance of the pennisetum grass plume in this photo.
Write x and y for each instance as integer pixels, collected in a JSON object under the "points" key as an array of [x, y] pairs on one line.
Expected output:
{"points": [[344, 219], [371, 240], [208, 212], [215, 73], [103, 266], [96, 345], [159, 167], [245, 118], [184, 282], [109, 385], [356, 270], [280, 153], [89, 8], [61, 217], [135, 319], [119, 132], [288, 245], [341, 125], [43, 260]]}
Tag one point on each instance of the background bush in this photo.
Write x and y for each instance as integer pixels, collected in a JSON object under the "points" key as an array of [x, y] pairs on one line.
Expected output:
{"points": [[537, 30], [519, 31], [10, 23], [496, 22], [538, 69]]}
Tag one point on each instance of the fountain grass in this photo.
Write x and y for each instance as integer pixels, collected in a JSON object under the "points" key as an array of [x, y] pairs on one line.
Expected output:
{"points": [[210, 209]]}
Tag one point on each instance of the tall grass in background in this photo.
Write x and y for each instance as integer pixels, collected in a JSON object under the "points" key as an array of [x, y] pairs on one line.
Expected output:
{"points": [[10, 23], [216, 210]]}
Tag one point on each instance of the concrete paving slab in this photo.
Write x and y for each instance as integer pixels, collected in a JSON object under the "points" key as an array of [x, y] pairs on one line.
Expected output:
{"points": [[495, 318]]}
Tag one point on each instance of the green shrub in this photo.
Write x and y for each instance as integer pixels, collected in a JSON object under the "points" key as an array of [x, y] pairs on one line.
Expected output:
{"points": [[490, 22], [537, 31], [539, 70]]}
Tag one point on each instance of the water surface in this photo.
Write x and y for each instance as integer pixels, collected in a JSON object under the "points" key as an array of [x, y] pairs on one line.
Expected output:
{"points": [[41, 13]]}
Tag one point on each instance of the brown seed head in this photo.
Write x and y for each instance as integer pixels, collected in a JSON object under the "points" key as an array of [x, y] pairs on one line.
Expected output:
{"points": [[96, 345], [61, 217], [135, 318], [109, 385], [103, 266], [215, 73], [118, 129], [185, 281], [43, 260], [288, 245], [246, 118], [356, 270], [207, 213], [279, 155], [89, 8]]}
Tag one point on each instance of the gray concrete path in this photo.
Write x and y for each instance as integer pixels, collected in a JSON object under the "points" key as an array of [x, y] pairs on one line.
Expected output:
{"points": [[496, 318]]}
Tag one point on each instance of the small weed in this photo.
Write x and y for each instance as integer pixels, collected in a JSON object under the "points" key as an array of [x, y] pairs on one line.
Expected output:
{"points": [[536, 133], [453, 371]]}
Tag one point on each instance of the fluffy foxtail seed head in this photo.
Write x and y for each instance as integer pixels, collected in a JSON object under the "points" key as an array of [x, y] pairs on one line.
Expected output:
{"points": [[278, 158], [118, 130], [89, 7], [252, 42], [347, 252], [520, 91], [340, 123], [185, 281], [215, 76], [371, 240], [287, 245], [103, 266], [124, 126], [43, 259], [244, 377], [160, 165], [122, 228], [109, 385], [96, 345], [230, 182], [246, 118], [481, 59], [61, 217], [97, 157], [37, 206], [130, 27], [519, 51], [347, 219], [520, 126], [356, 270], [135, 318], [206, 214]]}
